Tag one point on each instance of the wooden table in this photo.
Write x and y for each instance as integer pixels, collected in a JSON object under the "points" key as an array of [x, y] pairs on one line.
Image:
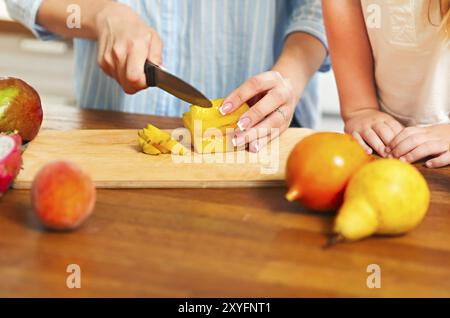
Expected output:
{"points": [[212, 242]]}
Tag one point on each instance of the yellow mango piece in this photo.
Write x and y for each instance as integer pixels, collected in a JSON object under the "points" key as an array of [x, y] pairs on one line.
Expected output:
{"points": [[211, 118], [142, 137], [150, 149], [214, 145], [174, 147], [154, 141], [156, 135], [142, 142], [161, 148]]}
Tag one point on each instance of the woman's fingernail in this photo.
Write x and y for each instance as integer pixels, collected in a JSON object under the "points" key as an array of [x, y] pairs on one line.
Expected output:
{"points": [[243, 123], [225, 108], [402, 159], [387, 150], [238, 141], [429, 164]]}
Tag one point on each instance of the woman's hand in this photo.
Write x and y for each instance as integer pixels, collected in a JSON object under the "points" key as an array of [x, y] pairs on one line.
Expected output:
{"points": [[272, 100], [373, 129], [416, 143], [125, 42]]}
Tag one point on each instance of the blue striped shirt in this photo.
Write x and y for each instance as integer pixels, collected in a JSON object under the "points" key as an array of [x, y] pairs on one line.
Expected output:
{"points": [[213, 44]]}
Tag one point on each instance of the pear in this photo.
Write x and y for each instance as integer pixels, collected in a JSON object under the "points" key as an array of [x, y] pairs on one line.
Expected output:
{"points": [[386, 197]]}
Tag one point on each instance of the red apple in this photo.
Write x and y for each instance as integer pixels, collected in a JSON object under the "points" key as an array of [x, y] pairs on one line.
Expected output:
{"points": [[20, 108], [63, 196]]}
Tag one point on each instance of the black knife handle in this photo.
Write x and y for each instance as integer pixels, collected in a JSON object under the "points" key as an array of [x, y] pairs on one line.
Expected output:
{"points": [[150, 73]]}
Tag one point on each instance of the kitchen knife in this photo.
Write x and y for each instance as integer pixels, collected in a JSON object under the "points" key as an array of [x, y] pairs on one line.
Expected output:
{"points": [[157, 77]]}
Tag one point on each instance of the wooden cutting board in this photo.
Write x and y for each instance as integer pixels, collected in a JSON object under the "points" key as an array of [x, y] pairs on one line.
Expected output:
{"points": [[113, 160]]}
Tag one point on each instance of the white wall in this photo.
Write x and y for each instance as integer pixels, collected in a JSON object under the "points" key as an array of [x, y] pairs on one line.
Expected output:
{"points": [[3, 13], [328, 97], [329, 103]]}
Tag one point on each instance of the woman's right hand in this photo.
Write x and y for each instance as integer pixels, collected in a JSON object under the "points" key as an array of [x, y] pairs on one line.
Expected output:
{"points": [[373, 129], [125, 42]]}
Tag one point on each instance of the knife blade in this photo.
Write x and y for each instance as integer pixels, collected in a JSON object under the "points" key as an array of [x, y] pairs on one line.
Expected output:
{"points": [[157, 77]]}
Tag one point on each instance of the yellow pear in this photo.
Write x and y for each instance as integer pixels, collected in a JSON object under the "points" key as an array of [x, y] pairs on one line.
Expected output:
{"points": [[386, 196]]}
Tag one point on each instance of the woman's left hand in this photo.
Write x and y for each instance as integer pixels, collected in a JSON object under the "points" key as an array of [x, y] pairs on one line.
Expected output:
{"points": [[415, 143], [272, 100]]}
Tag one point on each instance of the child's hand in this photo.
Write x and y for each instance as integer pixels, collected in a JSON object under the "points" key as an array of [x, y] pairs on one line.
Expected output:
{"points": [[415, 143], [373, 130]]}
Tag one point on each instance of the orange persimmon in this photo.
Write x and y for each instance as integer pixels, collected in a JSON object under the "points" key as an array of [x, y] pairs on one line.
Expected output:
{"points": [[320, 167]]}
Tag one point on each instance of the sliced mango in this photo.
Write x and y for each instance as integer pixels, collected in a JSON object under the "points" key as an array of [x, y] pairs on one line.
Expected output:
{"points": [[150, 149], [212, 137], [154, 141]]}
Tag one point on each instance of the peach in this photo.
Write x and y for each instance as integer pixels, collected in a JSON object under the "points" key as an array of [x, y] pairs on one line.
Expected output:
{"points": [[63, 196]]}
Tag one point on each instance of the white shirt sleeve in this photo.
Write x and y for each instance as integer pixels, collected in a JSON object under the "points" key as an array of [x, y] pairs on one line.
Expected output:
{"points": [[25, 12], [306, 16]]}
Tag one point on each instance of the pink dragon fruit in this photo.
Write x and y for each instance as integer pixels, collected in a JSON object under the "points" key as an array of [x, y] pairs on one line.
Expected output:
{"points": [[10, 159]]}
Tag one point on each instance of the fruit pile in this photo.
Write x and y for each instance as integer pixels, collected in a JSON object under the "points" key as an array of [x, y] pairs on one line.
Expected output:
{"points": [[210, 131], [325, 171], [331, 171], [20, 121], [63, 196], [154, 141]]}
